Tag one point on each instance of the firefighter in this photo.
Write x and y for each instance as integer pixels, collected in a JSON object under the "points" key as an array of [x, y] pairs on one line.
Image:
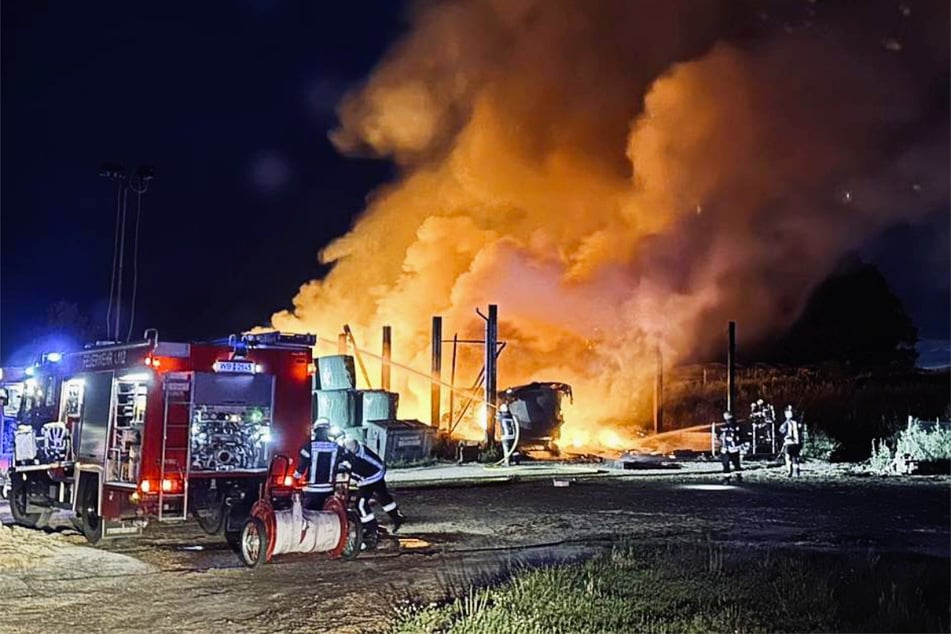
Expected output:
{"points": [[508, 427], [319, 460], [792, 442], [369, 472], [730, 447]]}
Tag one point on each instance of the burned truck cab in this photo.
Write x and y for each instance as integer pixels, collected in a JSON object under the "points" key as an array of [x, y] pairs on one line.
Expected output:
{"points": [[126, 434]]}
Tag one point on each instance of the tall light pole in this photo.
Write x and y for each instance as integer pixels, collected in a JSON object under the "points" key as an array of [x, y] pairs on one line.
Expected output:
{"points": [[138, 184]]}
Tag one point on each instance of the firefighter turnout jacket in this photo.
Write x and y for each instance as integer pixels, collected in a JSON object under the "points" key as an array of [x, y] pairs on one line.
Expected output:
{"points": [[365, 466], [318, 460]]}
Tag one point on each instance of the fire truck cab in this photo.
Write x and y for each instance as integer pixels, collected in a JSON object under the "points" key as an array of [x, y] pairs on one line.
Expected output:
{"points": [[126, 434]]}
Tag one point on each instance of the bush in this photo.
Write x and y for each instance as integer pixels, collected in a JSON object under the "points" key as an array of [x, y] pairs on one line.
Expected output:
{"points": [[924, 442], [819, 445], [919, 442]]}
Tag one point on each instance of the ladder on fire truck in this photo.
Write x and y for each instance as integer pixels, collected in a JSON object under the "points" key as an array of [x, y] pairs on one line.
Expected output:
{"points": [[173, 431]]}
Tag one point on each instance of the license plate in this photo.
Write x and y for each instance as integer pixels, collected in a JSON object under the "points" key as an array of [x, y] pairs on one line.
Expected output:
{"points": [[244, 367]]}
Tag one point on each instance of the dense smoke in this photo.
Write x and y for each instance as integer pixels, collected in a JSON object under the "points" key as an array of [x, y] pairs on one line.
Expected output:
{"points": [[618, 174]]}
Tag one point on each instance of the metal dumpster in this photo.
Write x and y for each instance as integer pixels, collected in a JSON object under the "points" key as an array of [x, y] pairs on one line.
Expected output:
{"points": [[400, 440]]}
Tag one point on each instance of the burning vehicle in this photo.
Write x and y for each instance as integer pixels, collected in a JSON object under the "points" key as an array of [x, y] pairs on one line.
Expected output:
{"points": [[124, 434], [536, 407]]}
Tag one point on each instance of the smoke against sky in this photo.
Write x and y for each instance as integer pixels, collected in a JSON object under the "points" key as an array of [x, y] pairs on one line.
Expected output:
{"points": [[616, 174]]}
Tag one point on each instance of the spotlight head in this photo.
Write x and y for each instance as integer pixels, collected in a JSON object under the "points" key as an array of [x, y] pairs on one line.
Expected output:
{"points": [[146, 172]]}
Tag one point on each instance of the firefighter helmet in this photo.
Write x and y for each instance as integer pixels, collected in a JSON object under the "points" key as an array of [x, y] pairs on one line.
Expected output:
{"points": [[322, 430]]}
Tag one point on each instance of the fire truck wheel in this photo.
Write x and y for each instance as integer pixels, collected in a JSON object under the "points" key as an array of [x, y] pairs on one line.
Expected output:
{"points": [[18, 504], [351, 549], [91, 522], [253, 546]]}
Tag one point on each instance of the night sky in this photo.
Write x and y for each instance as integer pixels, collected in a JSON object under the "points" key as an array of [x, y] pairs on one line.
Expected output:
{"points": [[231, 102]]}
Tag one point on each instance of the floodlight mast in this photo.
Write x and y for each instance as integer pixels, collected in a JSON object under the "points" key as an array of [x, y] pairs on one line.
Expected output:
{"points": [[138, 184]]}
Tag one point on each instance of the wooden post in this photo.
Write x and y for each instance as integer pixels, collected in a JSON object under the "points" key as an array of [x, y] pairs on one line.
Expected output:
{"points": [[387, 357], [435, 394], [731, 370], [491, 372], [452, 380], [658, 391], [342, 343]]}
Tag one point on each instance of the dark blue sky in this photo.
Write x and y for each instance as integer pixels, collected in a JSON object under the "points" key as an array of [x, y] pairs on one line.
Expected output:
{"points": [[232, 102]]}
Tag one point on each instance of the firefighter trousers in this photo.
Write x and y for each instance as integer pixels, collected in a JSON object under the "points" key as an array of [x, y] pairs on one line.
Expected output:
{"points": [[379, 491], [728, 458]]}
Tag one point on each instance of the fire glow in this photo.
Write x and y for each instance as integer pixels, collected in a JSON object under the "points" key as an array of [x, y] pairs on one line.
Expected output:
{"points": [[610, 187]]}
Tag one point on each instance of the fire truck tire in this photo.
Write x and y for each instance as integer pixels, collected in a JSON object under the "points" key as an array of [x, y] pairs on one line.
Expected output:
{"points": [[252, 546], [91, 524], [18, 505], [354, 545]]}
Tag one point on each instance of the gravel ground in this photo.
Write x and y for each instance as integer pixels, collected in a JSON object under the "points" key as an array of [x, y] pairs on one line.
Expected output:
{"points": [[175, 578]]}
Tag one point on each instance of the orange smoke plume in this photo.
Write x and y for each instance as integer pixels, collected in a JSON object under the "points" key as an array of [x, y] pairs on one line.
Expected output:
{"points": [[612, 174]]}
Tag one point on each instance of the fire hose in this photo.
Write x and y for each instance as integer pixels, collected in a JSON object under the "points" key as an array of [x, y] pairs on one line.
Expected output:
{"points": [[297, 530]]}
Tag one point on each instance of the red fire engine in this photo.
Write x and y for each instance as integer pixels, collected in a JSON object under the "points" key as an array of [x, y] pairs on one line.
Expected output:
{"points": [[154, 430]]}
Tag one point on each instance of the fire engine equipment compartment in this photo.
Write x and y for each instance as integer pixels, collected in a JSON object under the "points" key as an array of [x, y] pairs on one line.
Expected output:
{"points": [[537, 409], [231, 421]]}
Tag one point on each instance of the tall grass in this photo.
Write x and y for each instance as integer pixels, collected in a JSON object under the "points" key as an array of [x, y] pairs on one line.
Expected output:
{"points": [[702, 588]]}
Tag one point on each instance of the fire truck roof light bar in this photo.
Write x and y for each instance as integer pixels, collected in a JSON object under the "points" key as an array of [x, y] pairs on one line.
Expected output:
{"points": [[270, 339]]}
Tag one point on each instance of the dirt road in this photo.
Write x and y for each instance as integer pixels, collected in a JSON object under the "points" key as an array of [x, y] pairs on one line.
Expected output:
{"points": [[177, 579]]}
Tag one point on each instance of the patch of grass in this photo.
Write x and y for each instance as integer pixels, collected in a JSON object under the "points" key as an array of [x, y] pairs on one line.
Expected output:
{"points": [[700, 588]]}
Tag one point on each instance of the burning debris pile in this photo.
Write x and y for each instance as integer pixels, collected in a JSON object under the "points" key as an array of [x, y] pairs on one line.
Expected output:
{"points": [[615, 173]]}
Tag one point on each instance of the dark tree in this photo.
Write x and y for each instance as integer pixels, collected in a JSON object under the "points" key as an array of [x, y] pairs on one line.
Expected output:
{"points": [[852, 318]]}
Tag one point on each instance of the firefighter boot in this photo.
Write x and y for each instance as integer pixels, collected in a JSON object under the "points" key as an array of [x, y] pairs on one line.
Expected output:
{"points": [[398, 518], [371, 535]]}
